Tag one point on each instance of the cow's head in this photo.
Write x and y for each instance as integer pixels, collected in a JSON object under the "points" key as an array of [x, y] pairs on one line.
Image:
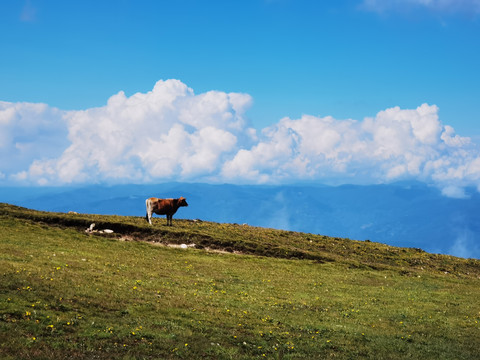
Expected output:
{"points": [[182, 201]]}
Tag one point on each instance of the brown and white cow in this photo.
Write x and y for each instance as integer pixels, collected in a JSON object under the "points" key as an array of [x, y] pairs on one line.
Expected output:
{"points": [[163, 207]]}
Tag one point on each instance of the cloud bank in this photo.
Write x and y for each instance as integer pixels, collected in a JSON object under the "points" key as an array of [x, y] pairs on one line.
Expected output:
{"points": [[173, 134], [28, 133]]}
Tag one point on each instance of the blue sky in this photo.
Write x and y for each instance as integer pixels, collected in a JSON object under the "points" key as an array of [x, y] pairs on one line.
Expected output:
{"points": [[284, 59], [293, 57]]}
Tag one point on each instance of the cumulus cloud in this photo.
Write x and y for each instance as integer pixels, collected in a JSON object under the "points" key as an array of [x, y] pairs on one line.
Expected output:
{"points": [[443, 6], [395, 145], [170, 133]]}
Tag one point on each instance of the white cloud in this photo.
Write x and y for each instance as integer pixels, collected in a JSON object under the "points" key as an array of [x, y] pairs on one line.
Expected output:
{"points": [[395, 145], [170, 133], [454, 192], [443, 6]]}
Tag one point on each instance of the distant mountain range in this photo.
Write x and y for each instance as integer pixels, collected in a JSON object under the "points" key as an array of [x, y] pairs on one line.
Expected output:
{"points": [[400, 214]]}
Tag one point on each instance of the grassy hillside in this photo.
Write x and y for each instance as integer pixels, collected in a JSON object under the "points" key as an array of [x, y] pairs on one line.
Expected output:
{"points": [[262, 294]]}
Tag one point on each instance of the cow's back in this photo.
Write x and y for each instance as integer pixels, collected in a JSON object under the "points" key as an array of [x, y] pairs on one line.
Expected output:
{"points": [[162, 206]]}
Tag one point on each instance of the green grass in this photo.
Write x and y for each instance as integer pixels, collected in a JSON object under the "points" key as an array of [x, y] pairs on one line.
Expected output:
{"points": [[284, 295]]}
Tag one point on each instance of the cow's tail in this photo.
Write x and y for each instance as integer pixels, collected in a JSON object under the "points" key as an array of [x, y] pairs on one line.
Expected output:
{"points": [[146, 205], [146, 214]]}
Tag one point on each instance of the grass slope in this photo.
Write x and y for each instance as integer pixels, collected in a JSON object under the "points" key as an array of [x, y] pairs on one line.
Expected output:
{"points": [[65, 293]]}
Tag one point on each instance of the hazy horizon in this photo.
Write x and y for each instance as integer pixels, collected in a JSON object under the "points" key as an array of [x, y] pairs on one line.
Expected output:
{"points": [[402, 214]]}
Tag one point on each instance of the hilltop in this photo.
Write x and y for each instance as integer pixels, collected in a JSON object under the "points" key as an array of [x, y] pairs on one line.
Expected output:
{"points": [[245, 239], [236, 291], [406, 214]]}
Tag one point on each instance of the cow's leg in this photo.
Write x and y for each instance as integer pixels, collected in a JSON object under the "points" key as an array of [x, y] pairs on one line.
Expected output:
{"points": [[169, 220]]}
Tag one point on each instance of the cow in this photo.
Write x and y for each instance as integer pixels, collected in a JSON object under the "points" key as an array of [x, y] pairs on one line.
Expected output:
{"points": [[163, 207]]}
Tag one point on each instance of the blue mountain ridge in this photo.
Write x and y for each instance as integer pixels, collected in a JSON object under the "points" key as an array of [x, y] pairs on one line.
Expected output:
{"points": [[400, 214]]}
